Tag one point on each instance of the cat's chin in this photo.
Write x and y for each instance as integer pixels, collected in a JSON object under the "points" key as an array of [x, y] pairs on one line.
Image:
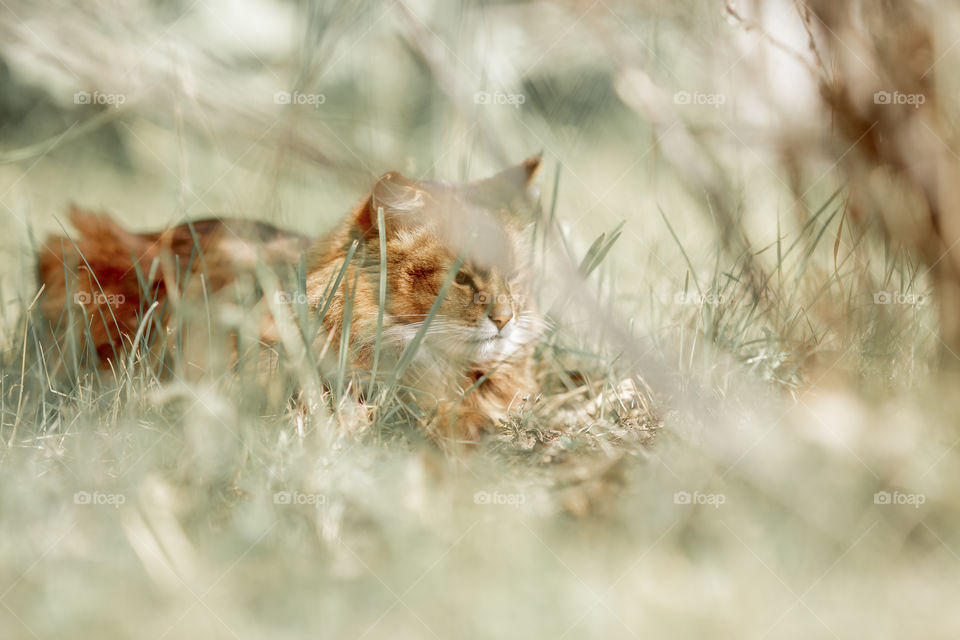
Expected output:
{"points": [[492, 349], [484, 339]]}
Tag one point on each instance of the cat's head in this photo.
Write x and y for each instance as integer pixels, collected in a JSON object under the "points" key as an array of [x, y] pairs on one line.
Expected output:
{"points": [[430, 227]]}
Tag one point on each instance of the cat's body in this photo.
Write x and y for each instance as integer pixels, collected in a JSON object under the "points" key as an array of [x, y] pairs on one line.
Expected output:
{"points": [[112, 276], [468, 240]]}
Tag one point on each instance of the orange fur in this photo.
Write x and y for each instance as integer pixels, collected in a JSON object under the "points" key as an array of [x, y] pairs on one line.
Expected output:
{"points": [[480, 340], [105, 277]]}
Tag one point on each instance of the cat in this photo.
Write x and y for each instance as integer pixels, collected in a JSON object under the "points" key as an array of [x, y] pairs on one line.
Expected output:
{"points": [[457, 276]]}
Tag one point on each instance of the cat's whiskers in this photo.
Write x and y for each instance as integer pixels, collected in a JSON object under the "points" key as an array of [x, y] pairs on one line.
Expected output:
{"points": [[447, 339]]}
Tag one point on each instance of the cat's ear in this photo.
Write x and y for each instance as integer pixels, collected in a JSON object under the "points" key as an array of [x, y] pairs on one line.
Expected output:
{"points": [[506, 187], [399, 197]]}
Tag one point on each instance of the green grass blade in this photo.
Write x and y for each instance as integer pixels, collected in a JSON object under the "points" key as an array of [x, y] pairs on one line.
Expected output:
{"points": [[381, 298]]}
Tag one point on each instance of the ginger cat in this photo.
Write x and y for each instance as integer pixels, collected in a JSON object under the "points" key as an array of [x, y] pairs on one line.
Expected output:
{"points": [[456, 250]]}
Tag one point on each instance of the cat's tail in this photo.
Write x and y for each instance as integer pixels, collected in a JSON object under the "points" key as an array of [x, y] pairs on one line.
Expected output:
{"points": [[92, 281]]}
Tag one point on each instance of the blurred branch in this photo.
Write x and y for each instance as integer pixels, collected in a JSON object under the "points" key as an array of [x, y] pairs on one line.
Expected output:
{"points": [[893, 119], [749, 26], [425, 43]]}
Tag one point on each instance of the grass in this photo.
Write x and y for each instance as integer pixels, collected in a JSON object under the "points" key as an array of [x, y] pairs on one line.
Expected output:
{"points": [[242, 514], [735, 436]]}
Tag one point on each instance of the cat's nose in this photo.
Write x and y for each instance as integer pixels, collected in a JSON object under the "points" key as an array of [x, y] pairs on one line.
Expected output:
{"points": [[500, 319]]}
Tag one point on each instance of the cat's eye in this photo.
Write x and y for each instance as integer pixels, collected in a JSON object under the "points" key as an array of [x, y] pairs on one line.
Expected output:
{"points": [[465, 280]]}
